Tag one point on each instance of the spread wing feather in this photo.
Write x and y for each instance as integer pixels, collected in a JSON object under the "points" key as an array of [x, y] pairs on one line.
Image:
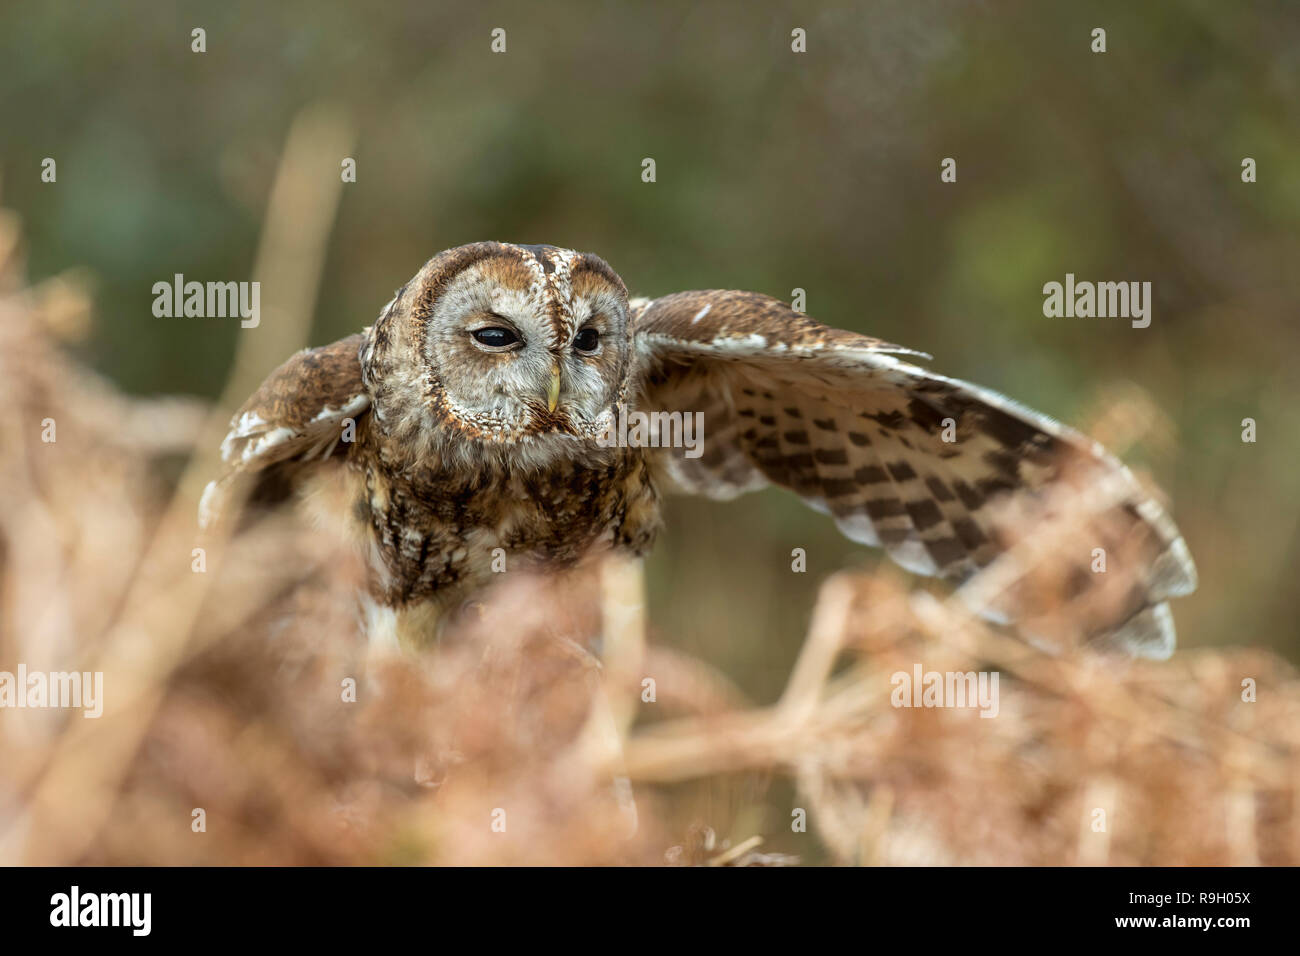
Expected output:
{"points": [[296, 417], [944, 475]]}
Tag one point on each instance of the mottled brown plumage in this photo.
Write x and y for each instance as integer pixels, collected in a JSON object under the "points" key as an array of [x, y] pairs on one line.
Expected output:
{"points": [[468, 423]]}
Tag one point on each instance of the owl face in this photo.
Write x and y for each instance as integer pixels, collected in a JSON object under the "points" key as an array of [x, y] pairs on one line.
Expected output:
{"points": [[505, 345]]}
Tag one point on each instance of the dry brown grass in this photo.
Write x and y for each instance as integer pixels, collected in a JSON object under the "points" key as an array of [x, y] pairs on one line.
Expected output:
{"points": [[224, 691]]}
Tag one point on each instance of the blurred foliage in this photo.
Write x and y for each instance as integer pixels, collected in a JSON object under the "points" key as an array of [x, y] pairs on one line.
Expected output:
{"points": [[775, 171]]}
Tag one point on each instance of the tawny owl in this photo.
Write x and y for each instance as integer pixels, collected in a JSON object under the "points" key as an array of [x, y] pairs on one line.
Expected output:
{"points": [[484, 415]]}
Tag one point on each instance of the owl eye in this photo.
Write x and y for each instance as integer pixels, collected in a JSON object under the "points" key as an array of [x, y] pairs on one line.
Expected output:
{"points": [[586, 340], [495, 337]]}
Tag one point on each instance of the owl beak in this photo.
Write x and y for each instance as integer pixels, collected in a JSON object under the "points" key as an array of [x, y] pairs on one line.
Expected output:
{"points": [[553, 392]]}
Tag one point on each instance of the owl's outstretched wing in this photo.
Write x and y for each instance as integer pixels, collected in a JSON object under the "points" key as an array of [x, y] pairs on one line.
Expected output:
{"points": [[944, 475], [296, 417]]}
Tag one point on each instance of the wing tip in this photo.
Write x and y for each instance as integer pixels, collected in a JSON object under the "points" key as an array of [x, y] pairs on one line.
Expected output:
{"points": [[1150, 633]]}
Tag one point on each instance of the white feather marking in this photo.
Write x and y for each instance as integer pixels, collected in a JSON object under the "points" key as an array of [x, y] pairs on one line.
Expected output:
{"points": [[208, 506], [272, 439], [743, 343], [351, 407], [247, 424]]}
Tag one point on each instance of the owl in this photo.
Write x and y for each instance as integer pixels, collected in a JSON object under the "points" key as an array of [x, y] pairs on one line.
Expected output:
{"points": [[480, 424]]}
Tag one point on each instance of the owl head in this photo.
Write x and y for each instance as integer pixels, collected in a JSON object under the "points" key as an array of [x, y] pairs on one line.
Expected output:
{"points": [[501, 350]]}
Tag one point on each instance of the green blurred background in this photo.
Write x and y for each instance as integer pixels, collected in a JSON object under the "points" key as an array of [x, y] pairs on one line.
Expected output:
{"points": [[775, 170]]}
